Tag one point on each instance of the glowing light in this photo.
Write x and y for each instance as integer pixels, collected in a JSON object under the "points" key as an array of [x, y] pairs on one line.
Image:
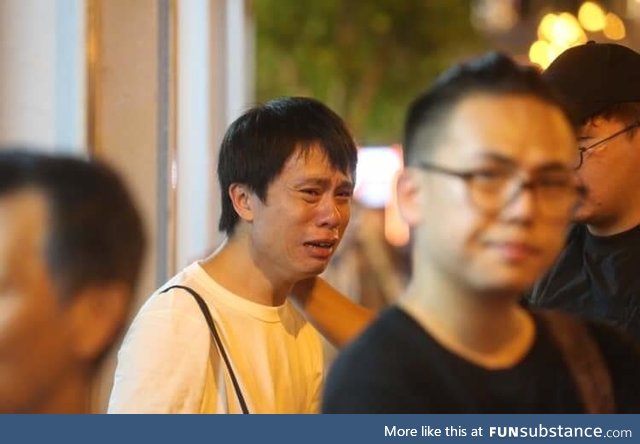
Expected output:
{"points": [[545, 27], [591, 17], [375, 174], [566, 31], [539, 53], [554, 51], [377, 171], [614, 27]]}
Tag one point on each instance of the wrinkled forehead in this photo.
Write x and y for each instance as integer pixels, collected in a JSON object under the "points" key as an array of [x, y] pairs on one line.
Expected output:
{"points": [[313, 156], [520, 127]]}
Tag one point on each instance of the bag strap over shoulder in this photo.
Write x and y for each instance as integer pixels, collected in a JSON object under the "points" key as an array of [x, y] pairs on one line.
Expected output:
{"points": [[214, 333], [584, 360]]}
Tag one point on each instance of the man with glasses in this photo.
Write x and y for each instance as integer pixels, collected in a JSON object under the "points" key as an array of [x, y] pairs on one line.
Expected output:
{"points": [[596, 275], [489, 191]]}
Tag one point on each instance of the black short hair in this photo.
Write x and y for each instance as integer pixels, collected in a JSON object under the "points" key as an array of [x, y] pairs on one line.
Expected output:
{"points": [[95, 233], [628, 113], [257, 145], [493, 73]]}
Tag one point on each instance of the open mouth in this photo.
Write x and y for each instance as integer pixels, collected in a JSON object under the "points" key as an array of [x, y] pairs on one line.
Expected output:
{"points": [[328, 245], [321, 249]]}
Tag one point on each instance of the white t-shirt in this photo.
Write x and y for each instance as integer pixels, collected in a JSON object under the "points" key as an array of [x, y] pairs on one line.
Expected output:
{"points": [[168, 362]]}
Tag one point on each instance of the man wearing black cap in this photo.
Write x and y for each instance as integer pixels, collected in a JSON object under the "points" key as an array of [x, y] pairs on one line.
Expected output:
{"points": [[596, 276]]}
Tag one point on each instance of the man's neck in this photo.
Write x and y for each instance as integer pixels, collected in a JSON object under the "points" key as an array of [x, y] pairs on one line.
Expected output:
{"points": [[71, 397], [614, 227], [233, 267], [492, 332], [626, 219]]}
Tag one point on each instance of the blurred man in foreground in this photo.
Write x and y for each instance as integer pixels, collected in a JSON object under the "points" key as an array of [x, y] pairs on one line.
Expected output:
{"points": [[489, 191], [71, 246]]}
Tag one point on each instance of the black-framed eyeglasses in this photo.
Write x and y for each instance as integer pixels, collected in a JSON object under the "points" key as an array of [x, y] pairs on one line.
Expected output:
{"points": [[583, 150], [492, 189]]}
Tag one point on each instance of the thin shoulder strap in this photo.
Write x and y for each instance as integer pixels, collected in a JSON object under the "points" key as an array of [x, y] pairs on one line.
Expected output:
{"points": [[214, 332], [583, 358]]}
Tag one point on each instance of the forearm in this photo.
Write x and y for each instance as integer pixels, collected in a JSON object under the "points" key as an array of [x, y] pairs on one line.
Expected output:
{"points": [[337, 318]]}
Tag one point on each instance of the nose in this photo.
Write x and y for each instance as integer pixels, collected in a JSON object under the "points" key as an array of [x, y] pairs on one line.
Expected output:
{"points": [[521, 206], [330, 214]]}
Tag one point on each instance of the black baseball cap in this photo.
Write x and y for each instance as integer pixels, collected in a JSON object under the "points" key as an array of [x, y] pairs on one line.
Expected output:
{"points": [[594, 76]]}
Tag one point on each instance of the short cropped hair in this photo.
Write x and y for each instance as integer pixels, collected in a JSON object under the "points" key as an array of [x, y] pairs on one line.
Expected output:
{"points": [[95, 233], [493, 73], [257, 145], [626, 112]]}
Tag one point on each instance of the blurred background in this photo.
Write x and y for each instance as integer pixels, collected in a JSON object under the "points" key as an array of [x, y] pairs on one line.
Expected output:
{"points": [[150, 86]]}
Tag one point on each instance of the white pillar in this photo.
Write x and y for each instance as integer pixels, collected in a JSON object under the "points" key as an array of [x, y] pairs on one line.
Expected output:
{"points": [[239, 58], [195, 154], [215, 72], [43, 74]]}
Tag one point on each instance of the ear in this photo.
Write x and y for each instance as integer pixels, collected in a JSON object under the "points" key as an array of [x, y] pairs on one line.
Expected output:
{"points": [[409, 194], [240, 196], [97, 315]]}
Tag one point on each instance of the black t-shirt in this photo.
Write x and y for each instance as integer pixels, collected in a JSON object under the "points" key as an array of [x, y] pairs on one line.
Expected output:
{"points": [[596, 278], [397, 367]]}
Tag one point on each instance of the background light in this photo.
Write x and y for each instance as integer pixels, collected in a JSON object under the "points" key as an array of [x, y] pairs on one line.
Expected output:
{"points": [[539, 53], [375, 174], [591, 17], [545, 27], [614, 27]]}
